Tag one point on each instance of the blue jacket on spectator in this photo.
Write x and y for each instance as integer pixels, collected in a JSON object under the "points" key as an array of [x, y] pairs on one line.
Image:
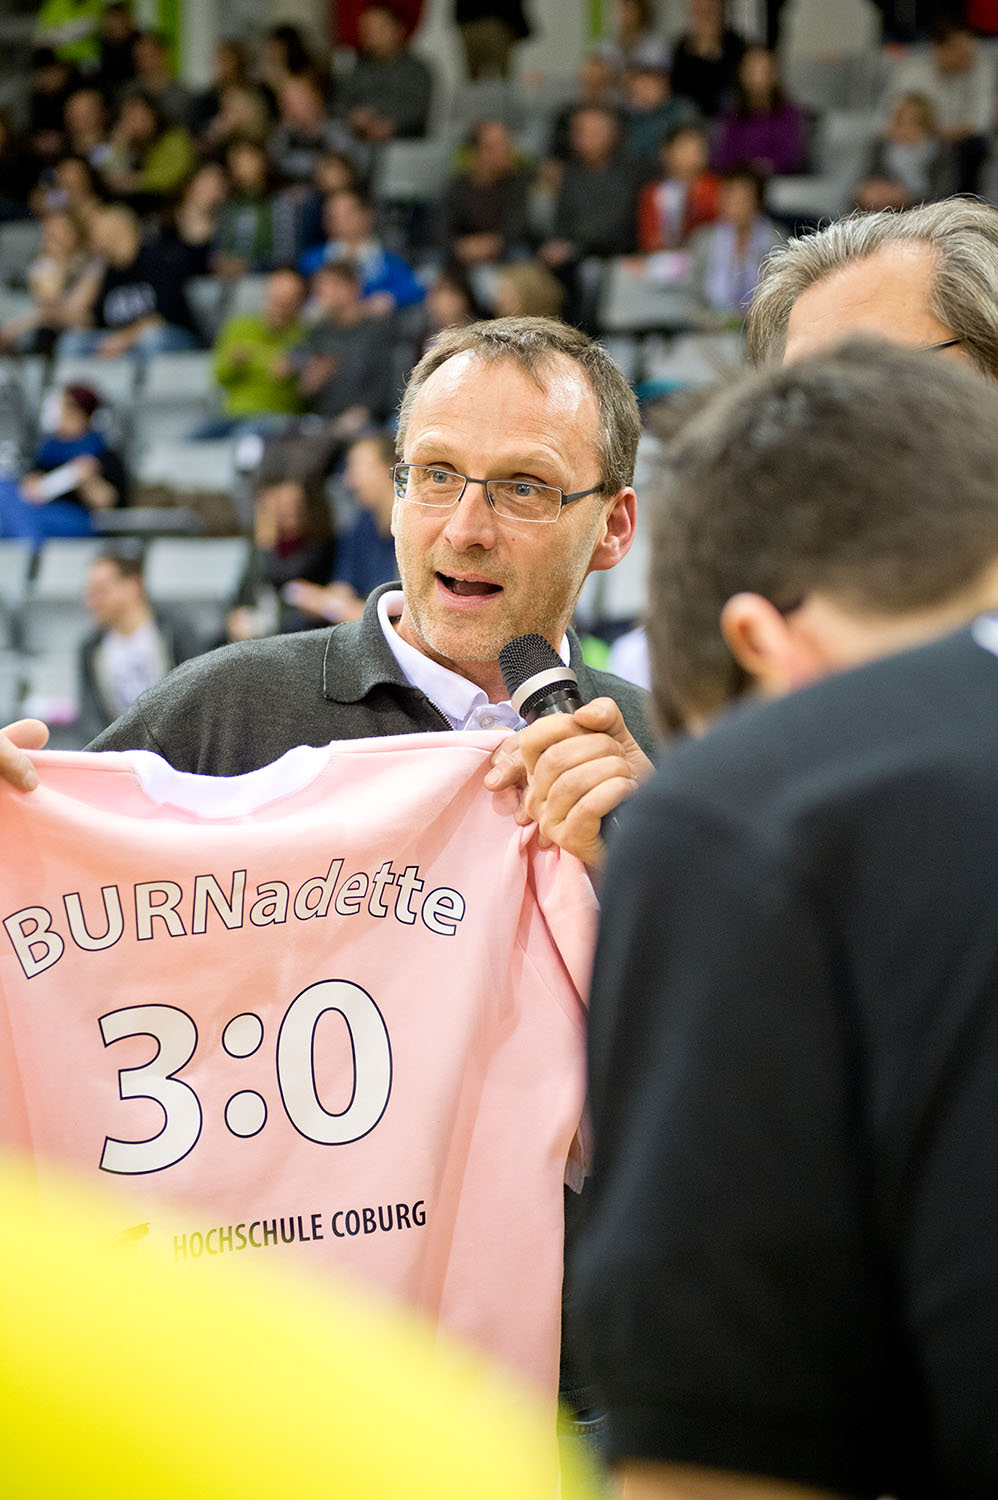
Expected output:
{"points": [[379, 270]]}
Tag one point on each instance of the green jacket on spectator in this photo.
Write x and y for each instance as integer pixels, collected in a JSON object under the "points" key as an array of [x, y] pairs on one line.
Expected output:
{"points": [[249, 362]]}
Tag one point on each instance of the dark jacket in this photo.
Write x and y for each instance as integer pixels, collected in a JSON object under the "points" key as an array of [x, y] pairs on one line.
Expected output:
{"points": [[244, 706], [179, 643]]}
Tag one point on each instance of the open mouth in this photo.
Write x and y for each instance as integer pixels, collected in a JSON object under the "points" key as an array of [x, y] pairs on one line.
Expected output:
{"points": [[467, 588]]}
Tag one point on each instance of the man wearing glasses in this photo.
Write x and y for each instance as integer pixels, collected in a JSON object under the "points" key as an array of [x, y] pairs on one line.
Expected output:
{"points": [[517, 440], [924, 278]]}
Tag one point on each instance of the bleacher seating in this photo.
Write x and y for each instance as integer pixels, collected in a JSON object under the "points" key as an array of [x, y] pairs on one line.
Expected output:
{"points": [[54, 618], [201, 575], [113, 379], [177, 392], [648, 319], [19, 243], [15, 567]]}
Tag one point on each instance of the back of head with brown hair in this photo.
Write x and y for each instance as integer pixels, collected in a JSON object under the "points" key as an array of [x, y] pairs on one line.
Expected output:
{"points": [[866, 474]]}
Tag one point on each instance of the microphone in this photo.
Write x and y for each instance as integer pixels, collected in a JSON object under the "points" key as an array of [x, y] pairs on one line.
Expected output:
{"points": [[536, 678], [539, 683]]}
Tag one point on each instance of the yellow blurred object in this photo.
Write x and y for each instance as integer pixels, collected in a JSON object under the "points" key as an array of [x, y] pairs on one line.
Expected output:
{"points": [[123, 1374]]}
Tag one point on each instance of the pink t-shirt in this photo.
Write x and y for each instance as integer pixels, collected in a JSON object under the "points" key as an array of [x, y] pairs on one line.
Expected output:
{"points": [[330, 1011]]}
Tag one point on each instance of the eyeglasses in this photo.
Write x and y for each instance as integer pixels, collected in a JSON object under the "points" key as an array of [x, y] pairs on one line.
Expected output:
{"points": [[514, 499], [932, 348]]}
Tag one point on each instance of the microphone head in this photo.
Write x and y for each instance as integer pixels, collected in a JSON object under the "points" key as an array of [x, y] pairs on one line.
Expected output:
{"points": [[533, 671]]}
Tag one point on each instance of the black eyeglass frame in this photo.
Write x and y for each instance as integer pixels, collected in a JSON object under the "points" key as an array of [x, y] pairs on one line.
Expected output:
{"points": [[932, 348], [566, 498]]}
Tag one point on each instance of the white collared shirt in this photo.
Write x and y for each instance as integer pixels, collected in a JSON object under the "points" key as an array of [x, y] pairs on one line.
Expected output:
{"points": [[463, 704]]}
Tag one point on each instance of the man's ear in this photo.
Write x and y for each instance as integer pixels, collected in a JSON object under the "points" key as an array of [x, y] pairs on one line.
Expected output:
{"points": [[765, 643], [618, 533]]}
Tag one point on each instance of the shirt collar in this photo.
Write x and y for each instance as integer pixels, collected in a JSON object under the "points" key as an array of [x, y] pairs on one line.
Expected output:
{"points": [[462, 703]]}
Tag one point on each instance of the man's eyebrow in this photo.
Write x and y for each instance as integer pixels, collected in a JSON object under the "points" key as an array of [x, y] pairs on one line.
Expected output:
{"points": [[502, 468]]}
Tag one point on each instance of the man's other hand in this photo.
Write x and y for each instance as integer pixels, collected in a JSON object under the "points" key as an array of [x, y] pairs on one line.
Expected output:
{"points": [[573, 769], [15, 767]]}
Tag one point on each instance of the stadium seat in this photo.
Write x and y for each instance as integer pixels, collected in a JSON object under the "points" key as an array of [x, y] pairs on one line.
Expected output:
{"points": [[19, 244], [201, 575], [179, 378], [695, 360], [412, 171], [12, 667], [54, 618], [178, 393], [51, 693], [808, 197], [208, 297], [843, 143], [31, 370], [15, 567], [248, 296], [14, 303], [187, 466], [631, 301], [143, 521], [112, 379]]}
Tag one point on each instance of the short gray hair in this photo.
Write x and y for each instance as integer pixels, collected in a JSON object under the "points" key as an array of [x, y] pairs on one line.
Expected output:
{"points": [[532, 343], [962, 231]]}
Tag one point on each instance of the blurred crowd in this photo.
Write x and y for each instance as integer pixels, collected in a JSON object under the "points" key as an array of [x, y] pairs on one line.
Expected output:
{"points": [[660, 157]]}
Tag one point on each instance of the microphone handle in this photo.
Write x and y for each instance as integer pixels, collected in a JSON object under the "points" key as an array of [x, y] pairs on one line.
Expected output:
{"points": [[558, 700]]}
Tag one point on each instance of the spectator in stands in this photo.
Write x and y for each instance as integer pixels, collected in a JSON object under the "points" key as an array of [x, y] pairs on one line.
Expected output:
{"points": [[134, 301], [387, 281], [76, 188], [763, 129], [706, 57], [133, 646], [365, 550], [55, 277], [17, 172], [117, 43], [450, 302], [910, 162], [636, 41], [959, 79], [653, 111], [191, 225], [74, 473], [86, 125], [597, 86], [685, 197], [148, 159], [52, 82], [527, 289], [387, 95], [251, 356], [230, 71], [242, 115], [727, 254], [334, 169], [284, 54], [344, 363], [154, 77], [484, 207], [489, 30], [304, 130], [71, 28], [244, 238], [293, 537], [595, 213]]}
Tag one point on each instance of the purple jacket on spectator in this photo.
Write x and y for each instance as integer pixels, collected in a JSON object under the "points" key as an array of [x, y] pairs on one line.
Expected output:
{"points": [[770, 143]]}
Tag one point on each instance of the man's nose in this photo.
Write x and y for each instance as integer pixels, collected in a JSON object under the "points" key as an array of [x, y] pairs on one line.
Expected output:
{"points": [[472, 522]]}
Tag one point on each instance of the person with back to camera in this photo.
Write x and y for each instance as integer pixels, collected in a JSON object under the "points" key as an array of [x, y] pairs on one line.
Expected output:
{"points": [[788, 1282]]}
